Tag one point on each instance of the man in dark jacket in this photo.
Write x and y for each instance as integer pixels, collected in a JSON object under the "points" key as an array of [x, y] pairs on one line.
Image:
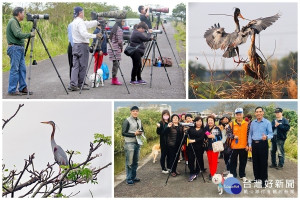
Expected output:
{"points": [[280, 128], [132, 130]]}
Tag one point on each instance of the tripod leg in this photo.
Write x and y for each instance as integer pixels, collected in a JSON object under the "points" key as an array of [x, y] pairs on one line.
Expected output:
{"points": [[153, 60], [95, 71], [88, 68], [169, 43], [150, 46], [30, 64], [123, 77], [163, 63], [175, 159], [37, 30]]}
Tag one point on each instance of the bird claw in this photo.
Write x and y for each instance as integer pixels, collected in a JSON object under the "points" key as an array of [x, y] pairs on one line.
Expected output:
{"points": [[240, 61]]}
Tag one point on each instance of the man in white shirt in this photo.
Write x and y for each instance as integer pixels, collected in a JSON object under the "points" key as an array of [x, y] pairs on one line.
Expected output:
{"points": [[80, 50]]}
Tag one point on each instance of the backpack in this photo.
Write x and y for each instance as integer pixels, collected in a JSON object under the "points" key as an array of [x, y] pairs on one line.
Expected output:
{"points": [[105, 70]]}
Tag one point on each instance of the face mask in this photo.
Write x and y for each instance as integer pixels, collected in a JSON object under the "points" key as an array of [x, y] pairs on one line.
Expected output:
{"points": [[166, 117]]}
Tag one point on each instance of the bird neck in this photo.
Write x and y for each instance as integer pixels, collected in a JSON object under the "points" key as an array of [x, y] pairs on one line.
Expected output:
{"points": [[253, 42], [237, 24], [52, 136]]}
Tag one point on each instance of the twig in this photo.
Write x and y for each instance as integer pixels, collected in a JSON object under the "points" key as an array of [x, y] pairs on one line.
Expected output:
{"points": [[6, 121], [229, 16]]}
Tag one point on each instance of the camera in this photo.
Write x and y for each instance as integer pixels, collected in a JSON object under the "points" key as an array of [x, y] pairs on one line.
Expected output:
{"points": [[163, 10], [187, 124], [156, 31], [118, 14], [31, 17]]}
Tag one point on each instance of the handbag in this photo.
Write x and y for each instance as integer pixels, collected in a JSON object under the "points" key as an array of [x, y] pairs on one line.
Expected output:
{"points": [[218, 146], [129, 50]]}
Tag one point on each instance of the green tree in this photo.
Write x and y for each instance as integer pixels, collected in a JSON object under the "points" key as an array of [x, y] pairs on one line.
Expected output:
{"points": [[180, 12]]}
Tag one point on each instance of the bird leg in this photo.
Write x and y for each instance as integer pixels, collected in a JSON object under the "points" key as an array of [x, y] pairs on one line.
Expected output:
{"points": [[240, 60]]}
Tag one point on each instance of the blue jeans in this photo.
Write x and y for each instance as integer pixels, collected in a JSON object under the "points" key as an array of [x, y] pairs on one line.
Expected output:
{"points": [[17, 73], [277, 145], [132, 152]]}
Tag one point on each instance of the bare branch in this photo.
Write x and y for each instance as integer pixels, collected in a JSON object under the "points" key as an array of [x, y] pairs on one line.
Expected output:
{"points": [[6, 121]]}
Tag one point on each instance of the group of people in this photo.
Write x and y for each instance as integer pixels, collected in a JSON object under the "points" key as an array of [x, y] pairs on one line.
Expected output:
{"points": [[239, 136], [78, 49]]}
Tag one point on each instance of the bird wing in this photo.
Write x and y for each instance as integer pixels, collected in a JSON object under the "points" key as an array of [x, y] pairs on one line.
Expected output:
{"points": [[60, 156], [255, 26], [216, 37]]}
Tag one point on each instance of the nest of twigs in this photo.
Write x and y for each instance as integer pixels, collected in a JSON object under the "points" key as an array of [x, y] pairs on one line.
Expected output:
{"points": [[255, 90]]}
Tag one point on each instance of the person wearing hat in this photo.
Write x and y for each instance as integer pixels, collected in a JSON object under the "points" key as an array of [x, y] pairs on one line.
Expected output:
{"points": [[174, 133], [115, 52], [15, 51], [132, 129], [280, 127], [259, 134], [238, 132], [80, 50]]}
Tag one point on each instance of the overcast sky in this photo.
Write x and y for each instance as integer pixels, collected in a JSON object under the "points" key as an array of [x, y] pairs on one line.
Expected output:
{"points": [[284, 30], [77, 122]]}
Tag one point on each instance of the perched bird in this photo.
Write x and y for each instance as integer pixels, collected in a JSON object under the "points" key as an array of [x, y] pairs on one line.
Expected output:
{"points": [[60, 155], [255, 68], [216, 37]]}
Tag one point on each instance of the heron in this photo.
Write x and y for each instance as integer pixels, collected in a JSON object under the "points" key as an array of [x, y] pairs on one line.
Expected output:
{"points": [[60, 155], [217, 38]]}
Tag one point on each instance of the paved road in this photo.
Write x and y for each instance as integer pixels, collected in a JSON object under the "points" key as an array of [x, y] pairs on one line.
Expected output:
{"points": [[46, 85], [153, 182]]}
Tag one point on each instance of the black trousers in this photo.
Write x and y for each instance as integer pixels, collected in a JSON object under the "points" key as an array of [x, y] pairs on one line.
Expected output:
{"points": [[70, 58], [172, 158], [243, 155], [194, 159], [137, 66], [163, 149], [260, 159], [226, 159]]}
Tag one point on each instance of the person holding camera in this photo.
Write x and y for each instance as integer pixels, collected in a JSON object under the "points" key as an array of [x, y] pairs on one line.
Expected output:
{"points": [[80, 49], [195, 148], [132, 128], [101, 49], [15, 51], [137, 39], [116, 38], [160, 130], [213, 134], [175, 134], [144, 16]]}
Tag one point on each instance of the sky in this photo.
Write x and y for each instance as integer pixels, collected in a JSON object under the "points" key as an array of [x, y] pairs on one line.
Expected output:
{"points": [[77, 122], [283, 31]]}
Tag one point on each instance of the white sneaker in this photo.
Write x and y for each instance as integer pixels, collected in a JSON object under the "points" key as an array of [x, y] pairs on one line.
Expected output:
{"points": [[245, 180], [164, 172]]}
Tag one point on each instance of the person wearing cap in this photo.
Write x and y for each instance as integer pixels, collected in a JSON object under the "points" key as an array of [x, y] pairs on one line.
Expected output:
{"points": [[259, 134], [116, 38], [280, 127], [15, 51], [238, 132], [80, 50], [132, 129], [174, 133], [223, 125]]}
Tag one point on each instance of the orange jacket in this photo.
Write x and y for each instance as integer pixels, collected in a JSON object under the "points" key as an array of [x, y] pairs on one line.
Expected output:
{"points": [[241, 132]]}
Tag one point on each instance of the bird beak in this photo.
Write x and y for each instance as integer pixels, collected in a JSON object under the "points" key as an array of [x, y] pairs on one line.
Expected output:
{"points": [[241, 16], [45, 122]]}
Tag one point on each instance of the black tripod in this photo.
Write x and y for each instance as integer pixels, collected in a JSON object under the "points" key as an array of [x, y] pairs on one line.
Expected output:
{"points": [[152, 46], [162, 25], [31, 41], [101, 40]]}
